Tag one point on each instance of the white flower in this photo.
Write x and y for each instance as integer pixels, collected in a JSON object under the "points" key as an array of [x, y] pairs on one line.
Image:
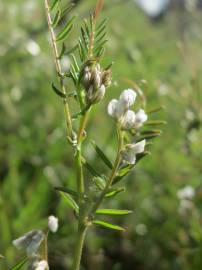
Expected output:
{"points": [[115, 109], [185, 207], [186, 193], [141, 117], [29, 241], [131, 150], [127, 98], [42, 265], [128, 120], [53, 224]]}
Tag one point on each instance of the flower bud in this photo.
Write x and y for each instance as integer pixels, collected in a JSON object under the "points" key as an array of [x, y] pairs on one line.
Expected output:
{"points": [[115, 109], [128, 120], [86, 78], [107, 77], [127, 98], [141, 117], [53, 224], [99, 95], [131, 150], [96, 78], [42, 265]]}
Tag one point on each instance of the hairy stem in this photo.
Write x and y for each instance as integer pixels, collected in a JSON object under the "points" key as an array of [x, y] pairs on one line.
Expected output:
{"points": [[113, 172], [59, 70]]}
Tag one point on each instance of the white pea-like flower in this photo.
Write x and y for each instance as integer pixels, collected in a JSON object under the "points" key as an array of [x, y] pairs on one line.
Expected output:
{"points": [[131, 150], [141, 117], [53, 224], [127, 98], [115, 109], [42, 265], [30, 242], [128, 120]]}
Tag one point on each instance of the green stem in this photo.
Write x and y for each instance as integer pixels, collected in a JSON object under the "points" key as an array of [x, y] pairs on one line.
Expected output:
{"points": [[59, 70], [120, 136], [79, 246], [82, 227]]}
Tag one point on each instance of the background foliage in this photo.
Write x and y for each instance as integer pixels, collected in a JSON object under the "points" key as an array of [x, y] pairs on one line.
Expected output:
{"points": [[34, 156]]}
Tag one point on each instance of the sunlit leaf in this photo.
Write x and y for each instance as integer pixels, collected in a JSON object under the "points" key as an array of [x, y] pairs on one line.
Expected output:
{"points": [[107, 225], [113, 212], [114, 192]]}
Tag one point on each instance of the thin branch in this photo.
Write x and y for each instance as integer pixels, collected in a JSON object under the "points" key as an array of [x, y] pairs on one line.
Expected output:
{"points": [[59, 70]]}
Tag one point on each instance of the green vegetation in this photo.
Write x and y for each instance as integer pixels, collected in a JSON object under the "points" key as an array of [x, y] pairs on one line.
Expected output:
{"points": [[164, 231]]}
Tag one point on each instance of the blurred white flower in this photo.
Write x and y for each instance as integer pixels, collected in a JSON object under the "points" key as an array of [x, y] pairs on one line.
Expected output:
{"points": [[131, 150], [53, 224], [65, 63], [33, 48], [16, 93], [29, 241], [141, 229], [127, 98], [42, 265], [128, 120], [186, 193], [153, 8], [185, 206], [140, 118]]}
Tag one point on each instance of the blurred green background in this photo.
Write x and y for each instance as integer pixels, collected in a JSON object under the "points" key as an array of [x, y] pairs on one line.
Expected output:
{"points": [[165, 230]]}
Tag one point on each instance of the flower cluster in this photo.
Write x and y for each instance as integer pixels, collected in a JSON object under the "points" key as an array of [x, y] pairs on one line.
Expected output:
{"points": [[95, 81], [119, 110], [127, 120], [31, 243]]}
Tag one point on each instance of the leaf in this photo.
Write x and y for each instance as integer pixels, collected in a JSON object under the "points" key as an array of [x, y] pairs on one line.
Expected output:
{"points": [[155, 123], [90, 168], [102, 155], [99, 182], [58, 92], [114, 192], [108, 225], [67, 9], [66, 30], [151, 132], [56, 18], [20, 264], [55, 2], [70, 201], [62, 51], [156, 109], [113, 212], [67, 190]]}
